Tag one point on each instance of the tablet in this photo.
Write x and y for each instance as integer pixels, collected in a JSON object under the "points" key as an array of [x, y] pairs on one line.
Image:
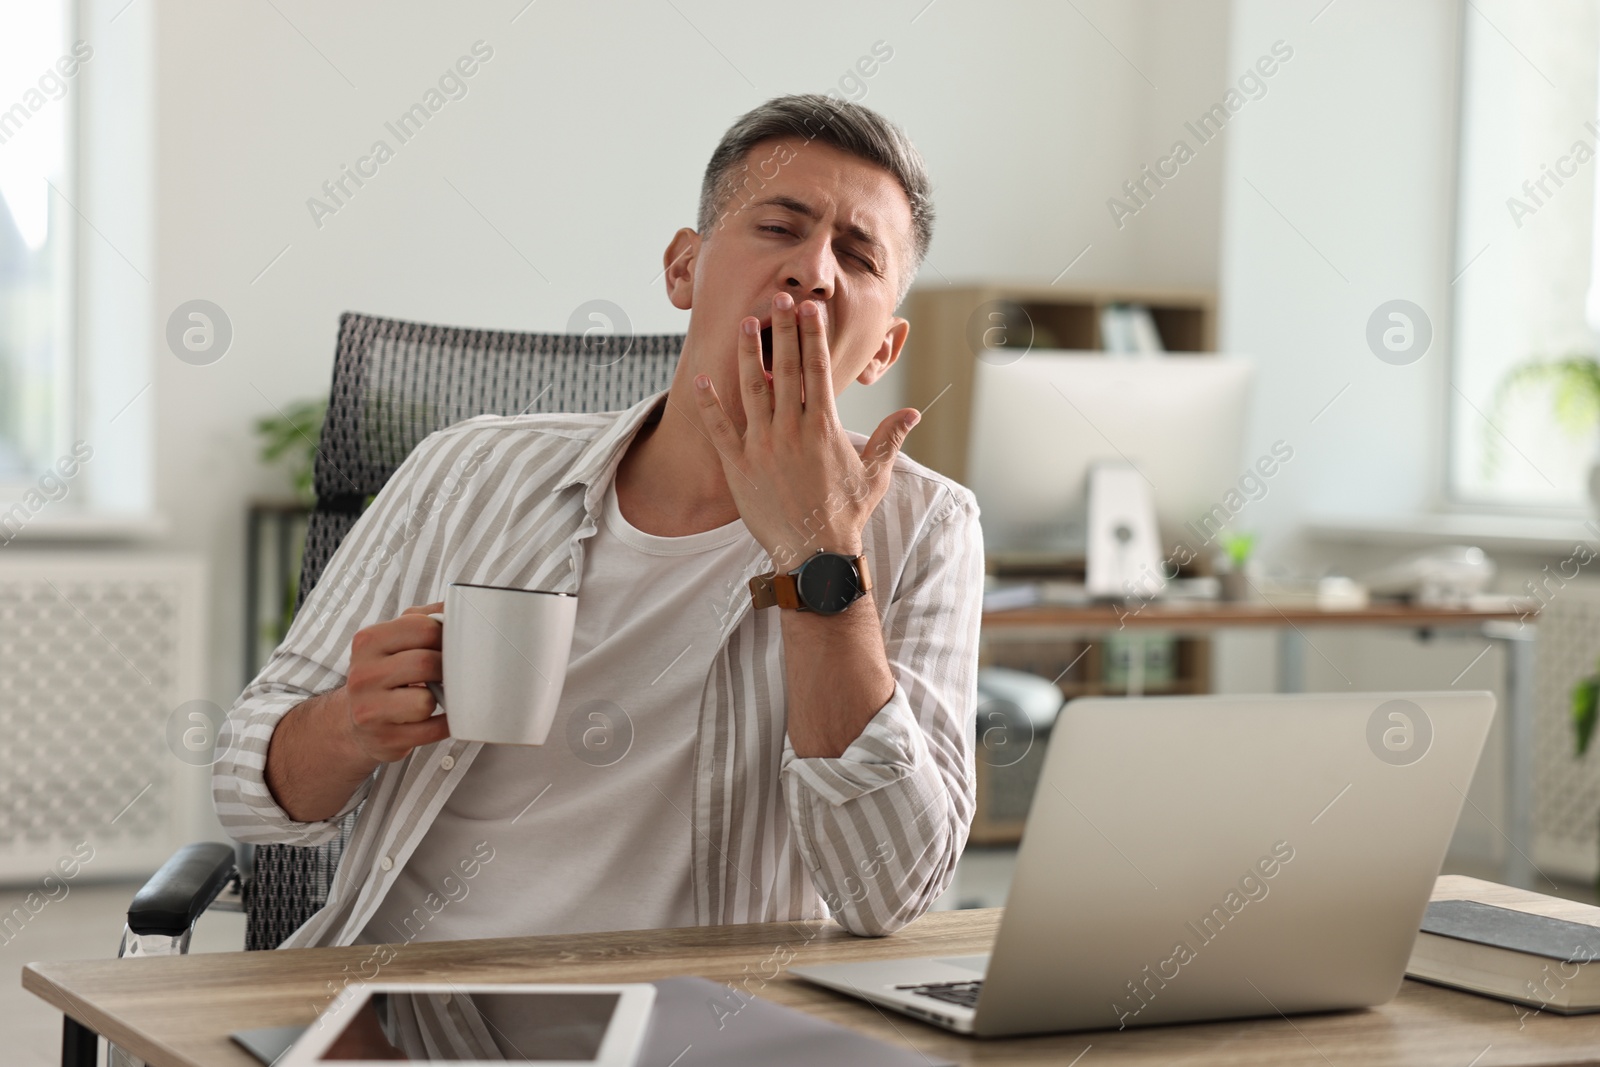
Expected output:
{"points": [[473, 1023]]}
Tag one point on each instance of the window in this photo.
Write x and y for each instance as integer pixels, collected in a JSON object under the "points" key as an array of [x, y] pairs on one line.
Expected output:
{"points": [[37, 275], [1525, 243]]}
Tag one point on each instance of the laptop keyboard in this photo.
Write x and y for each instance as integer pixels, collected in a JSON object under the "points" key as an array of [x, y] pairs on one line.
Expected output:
{"points": [[962, 993]]}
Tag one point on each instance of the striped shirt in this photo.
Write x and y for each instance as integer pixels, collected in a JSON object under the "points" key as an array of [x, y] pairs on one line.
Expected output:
{"points": [[872, 835]]}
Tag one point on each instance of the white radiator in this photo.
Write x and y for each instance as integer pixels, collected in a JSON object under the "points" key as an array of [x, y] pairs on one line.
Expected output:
{"points": [[1566, 790], [98, 652]]}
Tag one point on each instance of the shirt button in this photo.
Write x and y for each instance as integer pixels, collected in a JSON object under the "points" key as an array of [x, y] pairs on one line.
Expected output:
{"points": [[386, 863], [447, 762]]}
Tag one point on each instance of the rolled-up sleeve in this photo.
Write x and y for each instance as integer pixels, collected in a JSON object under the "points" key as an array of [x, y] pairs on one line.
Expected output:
{"points": [[880, 827], [369, 578], [245, 805]]}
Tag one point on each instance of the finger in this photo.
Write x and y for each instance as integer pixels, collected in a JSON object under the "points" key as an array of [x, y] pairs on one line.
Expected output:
{"points": [[405, 706], [815, 358], [434, 730], [884, 445], [428, 732], [376, 723], [724, 437], [786, 374], [410, 668], [424, 609], [398, 741], [752, 379], [406, 631]]}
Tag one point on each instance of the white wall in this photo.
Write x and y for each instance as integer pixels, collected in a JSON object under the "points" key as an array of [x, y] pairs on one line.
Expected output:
{"points": [[583, 139], [1339, 197]]}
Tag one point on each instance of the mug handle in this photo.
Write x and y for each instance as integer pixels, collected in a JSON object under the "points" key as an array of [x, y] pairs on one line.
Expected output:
{"points": [[437, 688]]}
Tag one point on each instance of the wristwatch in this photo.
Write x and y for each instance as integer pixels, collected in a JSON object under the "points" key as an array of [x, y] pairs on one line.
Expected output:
{"points": [[825, 583]]}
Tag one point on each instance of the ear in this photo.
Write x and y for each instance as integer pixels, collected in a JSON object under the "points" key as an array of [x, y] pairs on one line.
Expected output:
{"points": [[678, 261], [893, 341]]}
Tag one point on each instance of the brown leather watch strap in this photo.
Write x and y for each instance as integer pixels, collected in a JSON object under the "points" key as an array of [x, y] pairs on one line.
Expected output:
{"points": [[767, 590], [761, 592]]}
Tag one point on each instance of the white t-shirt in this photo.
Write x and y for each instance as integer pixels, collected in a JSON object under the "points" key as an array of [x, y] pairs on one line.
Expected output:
{"points": [[590, 831]]}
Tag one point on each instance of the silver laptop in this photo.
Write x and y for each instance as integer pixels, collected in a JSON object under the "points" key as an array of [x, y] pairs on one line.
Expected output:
{"points": [[1191, 858]]}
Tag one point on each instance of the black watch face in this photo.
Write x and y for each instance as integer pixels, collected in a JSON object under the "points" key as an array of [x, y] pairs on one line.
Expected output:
{"points": [[827, 583]]}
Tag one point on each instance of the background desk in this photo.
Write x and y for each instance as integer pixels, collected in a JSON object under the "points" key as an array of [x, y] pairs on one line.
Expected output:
{"points": [[177, 1011], [1200, 619]]}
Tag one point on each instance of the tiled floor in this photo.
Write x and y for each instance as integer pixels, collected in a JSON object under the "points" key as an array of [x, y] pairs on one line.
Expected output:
{"points": [[87, 924]]}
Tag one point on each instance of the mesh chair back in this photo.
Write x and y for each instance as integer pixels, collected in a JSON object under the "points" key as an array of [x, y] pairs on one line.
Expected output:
{"points": [[393, 384]]}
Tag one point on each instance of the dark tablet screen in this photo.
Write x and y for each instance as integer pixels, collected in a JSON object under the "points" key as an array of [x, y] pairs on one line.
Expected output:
{"points": [[515, 1027]]}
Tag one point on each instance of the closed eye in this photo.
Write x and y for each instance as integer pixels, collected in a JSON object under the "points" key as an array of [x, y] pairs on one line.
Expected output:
{"points": [[863, 260]]}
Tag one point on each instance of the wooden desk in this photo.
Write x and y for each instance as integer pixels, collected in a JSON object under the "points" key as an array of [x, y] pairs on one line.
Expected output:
{"points": [[1513, 627], [177, 1011], [1205, 616]]}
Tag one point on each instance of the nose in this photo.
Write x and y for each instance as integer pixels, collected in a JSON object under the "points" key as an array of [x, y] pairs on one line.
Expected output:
{"points": [[812, 270]]}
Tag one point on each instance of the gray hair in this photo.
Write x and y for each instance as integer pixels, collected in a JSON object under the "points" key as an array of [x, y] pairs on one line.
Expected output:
{"points": [[845, 125]]}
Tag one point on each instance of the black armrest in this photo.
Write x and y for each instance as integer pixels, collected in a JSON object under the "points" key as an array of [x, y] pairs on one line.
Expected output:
{"points": [[184, 887]]}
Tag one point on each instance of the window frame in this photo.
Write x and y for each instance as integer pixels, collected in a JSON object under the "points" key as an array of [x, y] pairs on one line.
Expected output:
{"points": [[1451, 496], [66, 281]]}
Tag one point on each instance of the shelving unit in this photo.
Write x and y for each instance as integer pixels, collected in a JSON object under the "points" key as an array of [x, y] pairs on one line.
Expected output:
{"points": [[951, 323], [275, 538]]}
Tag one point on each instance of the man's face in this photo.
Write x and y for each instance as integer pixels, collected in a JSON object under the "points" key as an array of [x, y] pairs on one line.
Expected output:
{"points": [[818, 224]]}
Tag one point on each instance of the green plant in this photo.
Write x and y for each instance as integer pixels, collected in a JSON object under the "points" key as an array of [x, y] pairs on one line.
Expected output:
{"points": [[1574, 381], [1585, 703], [1237, 547], [1585, 707], [292, 436]]}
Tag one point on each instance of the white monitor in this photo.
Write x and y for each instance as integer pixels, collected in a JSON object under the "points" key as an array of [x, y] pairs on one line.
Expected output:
{"points": [[1040, 421]]}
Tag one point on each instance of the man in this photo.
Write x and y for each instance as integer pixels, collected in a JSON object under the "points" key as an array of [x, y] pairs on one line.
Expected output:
{"points": [[782, 763]]}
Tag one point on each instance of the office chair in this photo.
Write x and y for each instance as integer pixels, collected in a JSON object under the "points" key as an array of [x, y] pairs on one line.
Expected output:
{"points": [[394, 383]]}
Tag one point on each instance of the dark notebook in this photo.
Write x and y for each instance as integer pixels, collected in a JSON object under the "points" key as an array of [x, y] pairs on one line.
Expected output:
{"points": [[700, 1023], [1536, 935], [270, 1044]]}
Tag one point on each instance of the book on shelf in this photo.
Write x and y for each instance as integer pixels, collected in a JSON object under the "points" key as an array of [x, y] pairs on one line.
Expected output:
{"points": [[1129, 329]]}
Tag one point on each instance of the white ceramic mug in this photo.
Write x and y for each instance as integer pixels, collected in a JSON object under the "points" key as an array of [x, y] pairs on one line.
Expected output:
{"points": [[505, 659]]}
